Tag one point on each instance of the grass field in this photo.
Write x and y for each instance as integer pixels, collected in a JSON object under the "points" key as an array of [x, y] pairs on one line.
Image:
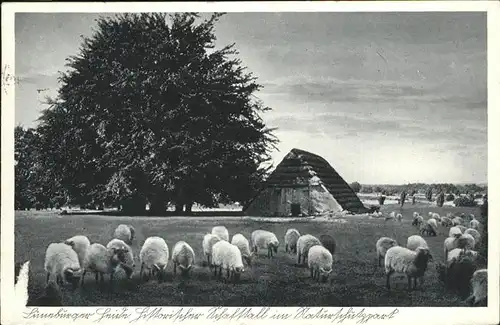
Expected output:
{"points": [[357, 280]]}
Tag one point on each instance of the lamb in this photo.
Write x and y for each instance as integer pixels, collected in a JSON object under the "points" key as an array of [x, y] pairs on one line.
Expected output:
{"points": [[128, 265], [125, 233], [244, 246], [474, 233], [457, 221], [461, 242], [154, 257], [427, 228], [474, 224], [455, 232], [382, 245], [227, 256], [403, 260], [183, 257], [221, 232], [320, 261], [479, 284], [209, 240], [62, 261], [291, 237], [80, 245], [102, 260], [328, 242], [266, 240], [304, 243], [417, 221], [416, 241], [446, 222]]}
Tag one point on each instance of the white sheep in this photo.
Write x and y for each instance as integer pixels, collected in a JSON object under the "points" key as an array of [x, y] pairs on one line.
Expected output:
{"points": [[227, 256], [263, 239], [474, 233], [446, 222], [462, 242], [415, 214], [291, 237], [417, 221], [391, 216], [433, 223], [382, 245], [101, 260], [479, 284], [462, 228], [304, 243], [430, 214], [80, 245], [183, 257], [320, 262], [436, 216], [456, 252], [120, 245], [125, 233], [154, 257], [474, 224], [221, 232], [243, 245], [471, 242], [62, 261], [399, 217], [209, 240], [416, 241], [403, 260], [455, 232], [457, 221]]}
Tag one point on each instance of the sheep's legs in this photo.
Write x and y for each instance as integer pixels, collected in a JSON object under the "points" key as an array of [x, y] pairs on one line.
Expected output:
{"points": [[175, 268], [298, 261], [409, 283], [388, 277], [215, 270], [312, 273], [286, 248], [379, 258], [48, 277]]}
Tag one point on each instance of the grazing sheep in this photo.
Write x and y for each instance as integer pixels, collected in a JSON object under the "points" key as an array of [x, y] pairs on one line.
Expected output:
{"points": [[430, 214], [436, 216], [462, 228], [209, 240], [304, 243], [80, 245], [227, 256], [183, 257], [433, 223], [382, 245], [328, 242], [446, 222], [221, 232], [416, 241], [455, 232], [417, 221], [125, 233], [62, 261], [320, 261], [391, 216], [471, 242], [153, 257], [403, 260], [415, 214], [266, 240], [291, 237], [474, 233], [457, 273], [244, 246], [458, 252], [129, 264], [457, 221], [474, 224], [101, 260], [427, 229], [461, 242], [399, 217], [479, 284]]}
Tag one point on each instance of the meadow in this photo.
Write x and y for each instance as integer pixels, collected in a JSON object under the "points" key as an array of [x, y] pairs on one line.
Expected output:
{"points": [[357, 280]]}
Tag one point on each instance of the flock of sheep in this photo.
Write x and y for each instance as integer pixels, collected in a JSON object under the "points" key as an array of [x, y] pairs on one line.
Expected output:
{"points": [[70, 260], [462, 263]]}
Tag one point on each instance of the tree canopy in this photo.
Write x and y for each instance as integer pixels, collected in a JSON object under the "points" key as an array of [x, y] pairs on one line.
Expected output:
{"points": [[150, 111]]}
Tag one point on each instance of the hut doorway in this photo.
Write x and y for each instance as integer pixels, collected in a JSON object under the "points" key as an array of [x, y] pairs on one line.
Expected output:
{"points": [[295, 207]]}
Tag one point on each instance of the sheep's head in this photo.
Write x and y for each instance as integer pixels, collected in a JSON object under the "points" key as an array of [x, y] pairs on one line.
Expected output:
{"points": [[185, 269], [325, 273], [237, 271], [70, 243], [274, 245], [73, 276], [423, 257], [249, 258], [160, 271]]}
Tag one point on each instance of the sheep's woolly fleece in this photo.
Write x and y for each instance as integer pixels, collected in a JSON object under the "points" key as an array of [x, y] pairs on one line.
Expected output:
{"points": [[183, 254], [227, 256], [60, 257], [100, 259], [305, 242], [242, 243], [221, 232], [319, 258], [154, 251], [263, 238], [402, 260]]}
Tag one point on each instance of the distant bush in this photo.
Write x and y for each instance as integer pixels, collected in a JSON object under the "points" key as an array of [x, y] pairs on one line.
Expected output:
{"points": [[381, 200], [450, 197], [356, 187], [428, 194], [440, 199], [464, 201], [478, 196]]}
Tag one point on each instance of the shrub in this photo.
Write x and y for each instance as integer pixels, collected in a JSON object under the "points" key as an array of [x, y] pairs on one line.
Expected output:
{"points": [[356, 187], [428, 194], [402, 198], [464, 201], [381, 200], [413, 200], [440, 199], [450, 197]]}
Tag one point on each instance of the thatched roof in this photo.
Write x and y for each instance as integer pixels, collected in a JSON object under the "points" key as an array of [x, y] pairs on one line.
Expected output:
{"points": [[299, 167]]}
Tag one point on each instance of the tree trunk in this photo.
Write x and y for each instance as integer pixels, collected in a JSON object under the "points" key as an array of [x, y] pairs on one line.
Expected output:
{"points": [[179, 207], [189, 207]]}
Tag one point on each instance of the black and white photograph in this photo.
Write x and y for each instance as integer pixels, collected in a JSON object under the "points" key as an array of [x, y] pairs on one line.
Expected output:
{"points": [[279, 159]]}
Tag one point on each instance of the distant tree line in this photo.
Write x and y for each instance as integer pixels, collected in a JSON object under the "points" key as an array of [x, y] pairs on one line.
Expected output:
{"points": [[148, 112], [423, 188]]}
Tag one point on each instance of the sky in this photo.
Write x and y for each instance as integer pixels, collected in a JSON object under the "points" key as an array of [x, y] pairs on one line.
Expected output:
{"points": [[385, 98]]}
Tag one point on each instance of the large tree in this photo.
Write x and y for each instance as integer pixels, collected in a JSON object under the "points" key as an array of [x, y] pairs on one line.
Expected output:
{"points": [[151, 111]]}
